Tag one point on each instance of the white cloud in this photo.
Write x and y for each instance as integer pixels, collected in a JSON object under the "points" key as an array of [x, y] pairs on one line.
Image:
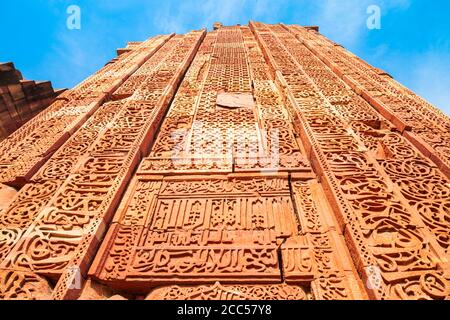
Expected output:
{"points": [[198, 14], [76, 54], [190, 14], [345, 21]]}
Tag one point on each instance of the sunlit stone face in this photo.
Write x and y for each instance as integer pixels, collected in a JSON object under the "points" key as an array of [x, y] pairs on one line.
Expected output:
{"points": [[257, 162]]}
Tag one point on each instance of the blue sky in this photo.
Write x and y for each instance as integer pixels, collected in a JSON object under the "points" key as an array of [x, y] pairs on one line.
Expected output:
{"points": [[413, 44]]}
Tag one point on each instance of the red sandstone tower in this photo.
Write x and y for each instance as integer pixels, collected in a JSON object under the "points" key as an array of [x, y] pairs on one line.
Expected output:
{"points": [[249, 162]]}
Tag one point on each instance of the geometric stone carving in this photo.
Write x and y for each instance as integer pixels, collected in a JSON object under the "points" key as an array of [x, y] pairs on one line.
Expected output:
{"points": [[249, 162]]}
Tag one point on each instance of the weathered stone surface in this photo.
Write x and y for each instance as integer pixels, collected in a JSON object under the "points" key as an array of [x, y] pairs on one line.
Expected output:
{"points": [[16, 285], [235, 100], [249, 162], [21, 100], [7, 195], [218, 291]]}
